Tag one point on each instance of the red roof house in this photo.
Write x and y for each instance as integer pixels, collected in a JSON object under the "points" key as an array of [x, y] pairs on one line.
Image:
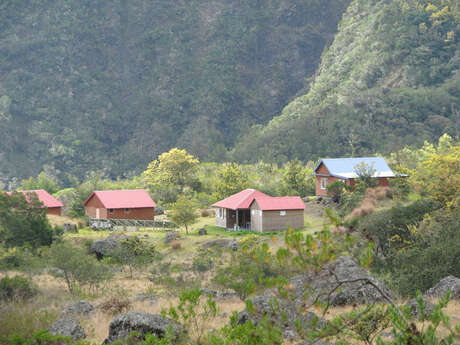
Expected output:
{"points": [[251, 209], [53, 205], [120, 204]]}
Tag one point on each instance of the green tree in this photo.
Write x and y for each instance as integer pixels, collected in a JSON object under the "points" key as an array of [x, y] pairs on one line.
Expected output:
{"points": [[133, 253], [41, 182], [23, 222], [366, 175], [296, 179], [78, 269], [184, 212], [230, 180]]}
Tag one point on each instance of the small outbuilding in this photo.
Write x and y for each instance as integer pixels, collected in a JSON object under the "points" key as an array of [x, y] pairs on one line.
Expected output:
{"points": [[133, 204], [329, 170], [253, 210], [53, 206]]}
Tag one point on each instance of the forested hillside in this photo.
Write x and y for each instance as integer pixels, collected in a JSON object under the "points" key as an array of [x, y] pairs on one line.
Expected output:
{"points": [[108, 85], [390, 78]]}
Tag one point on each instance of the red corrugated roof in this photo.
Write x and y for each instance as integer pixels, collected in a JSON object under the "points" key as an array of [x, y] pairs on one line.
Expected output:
{"points": [[135, 198], [241, 200], [46, 198], [280, 203]]}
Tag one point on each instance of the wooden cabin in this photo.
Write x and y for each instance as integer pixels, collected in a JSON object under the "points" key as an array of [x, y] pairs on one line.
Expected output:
{"points": [[120, 204], [53, 206], [329, 170], [253, 210]]}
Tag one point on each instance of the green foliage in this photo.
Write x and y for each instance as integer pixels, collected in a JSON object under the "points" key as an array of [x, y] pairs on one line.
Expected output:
{"points": [[184, 212], [203, 261], [23, 222], [16, 289], [336, 190], [134, 253], [41, 182], [391, 229], [247, 333], [193, 313], [366, 176], [297, 179], [230, 180], [432, 256], [76, 268]]}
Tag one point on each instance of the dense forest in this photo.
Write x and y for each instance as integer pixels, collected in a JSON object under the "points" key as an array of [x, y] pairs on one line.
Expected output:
{"points": [[107, 86], [98, 85], [390, 78]]}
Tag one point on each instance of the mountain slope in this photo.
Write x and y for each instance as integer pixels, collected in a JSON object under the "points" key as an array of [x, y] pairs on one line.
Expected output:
{"points": [[96, 85], [390, 78]]}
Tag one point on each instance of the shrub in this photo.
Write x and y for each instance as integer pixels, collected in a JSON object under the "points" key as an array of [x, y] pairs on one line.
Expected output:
{"points": [[22, 321], [115, 304], [203, 261], [204, 213], [335, 190], [176, 245], [159, 210], [16, 288]]}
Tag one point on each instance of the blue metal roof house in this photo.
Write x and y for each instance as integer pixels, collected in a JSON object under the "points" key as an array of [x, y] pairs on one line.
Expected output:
{"points": [[330, 170]]}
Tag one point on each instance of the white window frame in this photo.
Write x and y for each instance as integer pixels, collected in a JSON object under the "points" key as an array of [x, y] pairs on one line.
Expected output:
{"points": [[282, 213], [323, 183]]}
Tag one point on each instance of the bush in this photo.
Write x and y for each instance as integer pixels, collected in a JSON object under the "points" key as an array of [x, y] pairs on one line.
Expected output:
{"points": [[16, 288], [335, 190], [204, 213], [390, 228], [115, 304], [159, 210]]}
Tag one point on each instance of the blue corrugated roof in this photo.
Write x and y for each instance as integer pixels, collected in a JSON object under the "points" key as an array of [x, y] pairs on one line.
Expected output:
{"points": [[345, 167]]}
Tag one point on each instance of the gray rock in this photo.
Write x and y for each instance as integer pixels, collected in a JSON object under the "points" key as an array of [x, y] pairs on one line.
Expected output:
{"points": [[141, 322], [104, 246], [449, 283], [219, 294], [80, 307], [220, 242], [285, 313], [234, 246], [414, 309], [68, 327], [143, 297], [171, 236], [342, 269], [202, 232]]}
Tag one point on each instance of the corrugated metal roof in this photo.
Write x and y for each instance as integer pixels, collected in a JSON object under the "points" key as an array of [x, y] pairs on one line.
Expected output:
{"points": [[240, 200], [345, 167], [134, 198], [280, 203], [46, 198]]}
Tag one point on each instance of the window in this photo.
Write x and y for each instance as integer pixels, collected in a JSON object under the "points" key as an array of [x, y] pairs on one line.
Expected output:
{"points": [[282, 213], [253, 212], [323, 182], [111, 210], [220, 213], [127, 210]]}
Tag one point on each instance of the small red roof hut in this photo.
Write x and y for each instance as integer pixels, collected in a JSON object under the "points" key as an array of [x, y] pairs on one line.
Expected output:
{"points": [[256, 211], [120, 204], [52, 205]]}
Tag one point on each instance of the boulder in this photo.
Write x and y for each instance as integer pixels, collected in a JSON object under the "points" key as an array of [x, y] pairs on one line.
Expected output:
{"points": [[449, 283], [171, 236], [219, 294], [220, 242], [414, 309], [337, 277], [234, 246], [285, 313], [104, 246], [68, 327], [202, 232], [143, 297], [80, 307], [143, 323]]}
